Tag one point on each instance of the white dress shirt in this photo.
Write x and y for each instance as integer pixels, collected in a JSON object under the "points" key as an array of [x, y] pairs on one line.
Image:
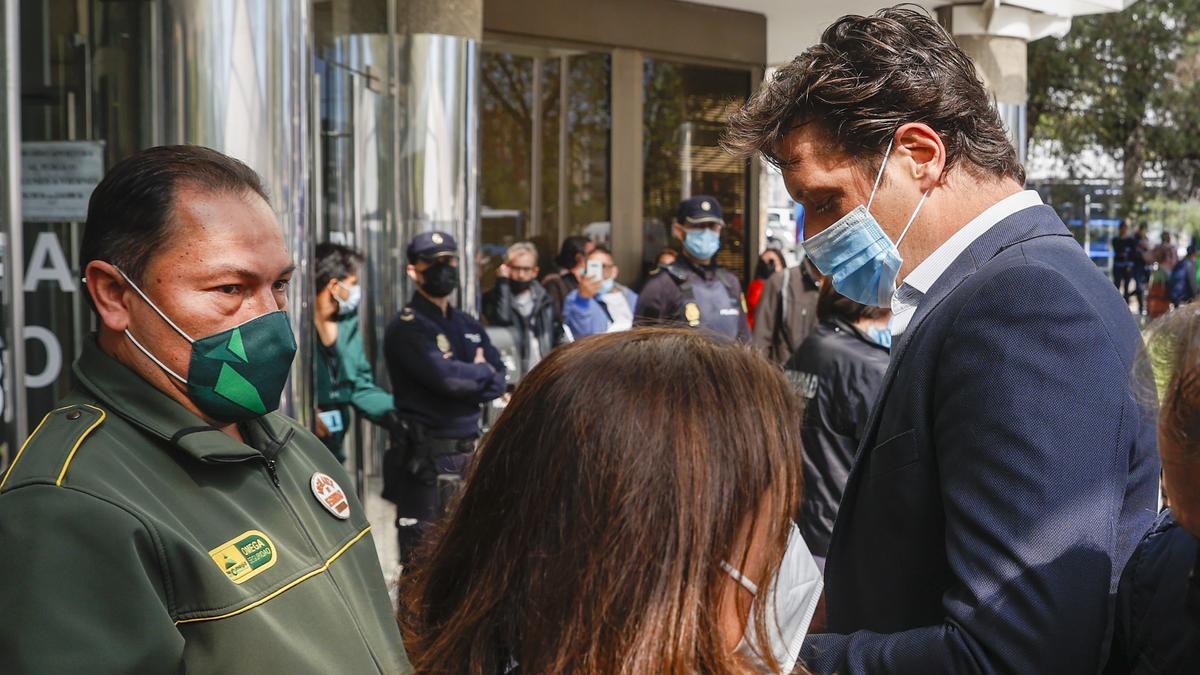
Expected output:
{"points": [[918, 282]]}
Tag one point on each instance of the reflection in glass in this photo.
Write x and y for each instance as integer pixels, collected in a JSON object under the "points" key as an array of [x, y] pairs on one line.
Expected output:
{"points": [[686, 109], [530, 188], [86, 73]]}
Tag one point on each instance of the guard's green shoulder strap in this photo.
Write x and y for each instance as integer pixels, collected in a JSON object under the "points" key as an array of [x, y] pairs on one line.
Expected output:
{"points": [[46, 455]]}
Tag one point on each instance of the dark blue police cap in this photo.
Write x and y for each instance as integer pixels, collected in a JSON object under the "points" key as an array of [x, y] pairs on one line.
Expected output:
{"points": [[698, 210], [430, 245]]}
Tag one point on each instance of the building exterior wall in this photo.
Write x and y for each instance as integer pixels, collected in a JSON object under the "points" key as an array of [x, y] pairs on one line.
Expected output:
{"points": [[364, 121]]}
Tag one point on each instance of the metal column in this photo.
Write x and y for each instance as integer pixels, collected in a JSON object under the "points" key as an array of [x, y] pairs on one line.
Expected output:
{"points": [[235, 76], [12, 321]]}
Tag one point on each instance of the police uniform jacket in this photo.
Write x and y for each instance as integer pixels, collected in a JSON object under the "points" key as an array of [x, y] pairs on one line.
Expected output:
{"points": [[715, 301], [435, 380], [135, 538]]}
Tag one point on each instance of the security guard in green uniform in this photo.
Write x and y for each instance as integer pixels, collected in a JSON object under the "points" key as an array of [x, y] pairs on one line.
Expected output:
{"points": [[163, 518], [344, 375]]}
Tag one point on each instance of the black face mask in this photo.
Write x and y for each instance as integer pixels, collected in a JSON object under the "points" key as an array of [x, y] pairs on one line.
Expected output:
{"points": [[764, 269], [519, 286], [440, 280]]}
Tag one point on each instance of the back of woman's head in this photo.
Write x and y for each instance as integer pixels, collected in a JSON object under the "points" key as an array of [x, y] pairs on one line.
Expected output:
{"points": [[1174, 350], [590, 533]]}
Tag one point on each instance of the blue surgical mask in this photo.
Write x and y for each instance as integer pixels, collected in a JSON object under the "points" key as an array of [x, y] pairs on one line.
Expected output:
{"points": [[702, 244], [606, 286], [857, 253], [881, 336]]}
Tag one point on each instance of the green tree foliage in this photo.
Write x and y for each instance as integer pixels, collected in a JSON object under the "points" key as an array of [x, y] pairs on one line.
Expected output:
{"points": [[1125, 83]]}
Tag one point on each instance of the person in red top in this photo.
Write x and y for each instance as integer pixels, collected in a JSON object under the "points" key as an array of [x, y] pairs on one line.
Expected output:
{"points": [[770, 261]]}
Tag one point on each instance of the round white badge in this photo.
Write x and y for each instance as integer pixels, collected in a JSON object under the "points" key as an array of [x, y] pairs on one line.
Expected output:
{"points": [[330, 495]]}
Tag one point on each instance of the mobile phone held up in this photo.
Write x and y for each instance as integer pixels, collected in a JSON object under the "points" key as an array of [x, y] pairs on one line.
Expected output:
{"points": [[595, 270]]}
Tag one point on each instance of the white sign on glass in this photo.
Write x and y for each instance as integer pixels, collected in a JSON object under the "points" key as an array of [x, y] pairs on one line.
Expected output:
{"points": [[57, 179]]}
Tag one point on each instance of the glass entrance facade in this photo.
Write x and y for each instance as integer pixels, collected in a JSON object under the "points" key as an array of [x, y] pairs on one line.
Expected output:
{"points": [[368, 125], [545, 121]]}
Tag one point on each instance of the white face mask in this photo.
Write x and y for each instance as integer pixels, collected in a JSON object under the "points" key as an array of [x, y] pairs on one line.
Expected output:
{"points": [[792, 601], [353, 298]]}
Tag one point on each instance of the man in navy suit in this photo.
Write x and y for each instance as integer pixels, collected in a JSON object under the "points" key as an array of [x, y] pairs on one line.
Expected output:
{"points": [[1009, 468]]}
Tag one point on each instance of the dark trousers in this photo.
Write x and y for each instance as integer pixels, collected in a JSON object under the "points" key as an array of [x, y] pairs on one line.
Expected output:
{"points": [[420, 504], [1129, 282]]}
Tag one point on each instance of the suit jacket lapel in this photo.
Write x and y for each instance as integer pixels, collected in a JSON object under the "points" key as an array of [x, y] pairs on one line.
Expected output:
{"points": [[1031, 223]]}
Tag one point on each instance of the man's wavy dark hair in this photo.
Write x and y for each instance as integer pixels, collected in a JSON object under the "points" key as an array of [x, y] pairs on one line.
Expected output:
{"points": [[870, 75]]}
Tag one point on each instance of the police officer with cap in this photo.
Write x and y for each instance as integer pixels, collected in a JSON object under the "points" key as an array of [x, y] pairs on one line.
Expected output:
{"points": [[442, 367], [695, 290]]}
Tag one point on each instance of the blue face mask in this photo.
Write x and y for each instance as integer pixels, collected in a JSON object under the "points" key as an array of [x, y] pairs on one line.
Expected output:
{"points": [[857, 253], [881, 336], [702, 244], [606, 286]]}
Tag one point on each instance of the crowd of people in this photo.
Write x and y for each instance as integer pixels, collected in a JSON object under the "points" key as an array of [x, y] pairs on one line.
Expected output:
{"points": [[937, 449], [1155, 276]]}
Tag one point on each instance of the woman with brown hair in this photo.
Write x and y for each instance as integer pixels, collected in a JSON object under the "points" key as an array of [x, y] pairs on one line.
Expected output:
{"points": [[1158, 602], [609, 512]]}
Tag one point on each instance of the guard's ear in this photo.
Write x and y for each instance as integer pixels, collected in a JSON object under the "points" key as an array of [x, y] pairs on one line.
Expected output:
{"points": [[412, 272], [110, 294]]}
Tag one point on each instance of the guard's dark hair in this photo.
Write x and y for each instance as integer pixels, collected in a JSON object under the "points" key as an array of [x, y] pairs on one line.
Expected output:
{"points": [[867, 77], [831, 305], [612, 563], [335, 261], [572, 248], [130, 211]]}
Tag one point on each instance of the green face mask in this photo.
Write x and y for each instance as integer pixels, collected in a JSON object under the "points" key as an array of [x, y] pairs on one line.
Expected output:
{"points": [[237, 374]]}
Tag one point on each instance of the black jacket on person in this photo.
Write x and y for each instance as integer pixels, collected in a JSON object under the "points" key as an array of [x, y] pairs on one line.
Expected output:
{"points": [[559, 286], [499, 310], [838, 370], [1156, 630]]}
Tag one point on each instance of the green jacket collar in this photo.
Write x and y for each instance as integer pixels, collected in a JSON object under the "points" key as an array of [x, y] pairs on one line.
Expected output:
{"points": [[133, 398]]}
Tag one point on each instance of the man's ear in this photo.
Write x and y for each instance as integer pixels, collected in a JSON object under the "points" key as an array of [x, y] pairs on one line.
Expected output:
{"points": [[412, 272], [677, 230], [110, 293], [925, 148]]}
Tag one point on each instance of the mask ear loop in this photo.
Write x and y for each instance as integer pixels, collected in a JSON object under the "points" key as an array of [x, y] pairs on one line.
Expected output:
{"points": [[913, 218], [740, 578], [170, 323], [154, 306], [879, 176], [154, 358]]}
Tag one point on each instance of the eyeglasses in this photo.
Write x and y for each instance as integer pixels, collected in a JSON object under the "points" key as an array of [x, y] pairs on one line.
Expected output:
{"points": [[522, 270]]}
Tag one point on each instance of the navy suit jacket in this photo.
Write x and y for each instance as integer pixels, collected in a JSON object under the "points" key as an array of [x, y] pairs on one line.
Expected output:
{"points": [[1006, 475]]}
